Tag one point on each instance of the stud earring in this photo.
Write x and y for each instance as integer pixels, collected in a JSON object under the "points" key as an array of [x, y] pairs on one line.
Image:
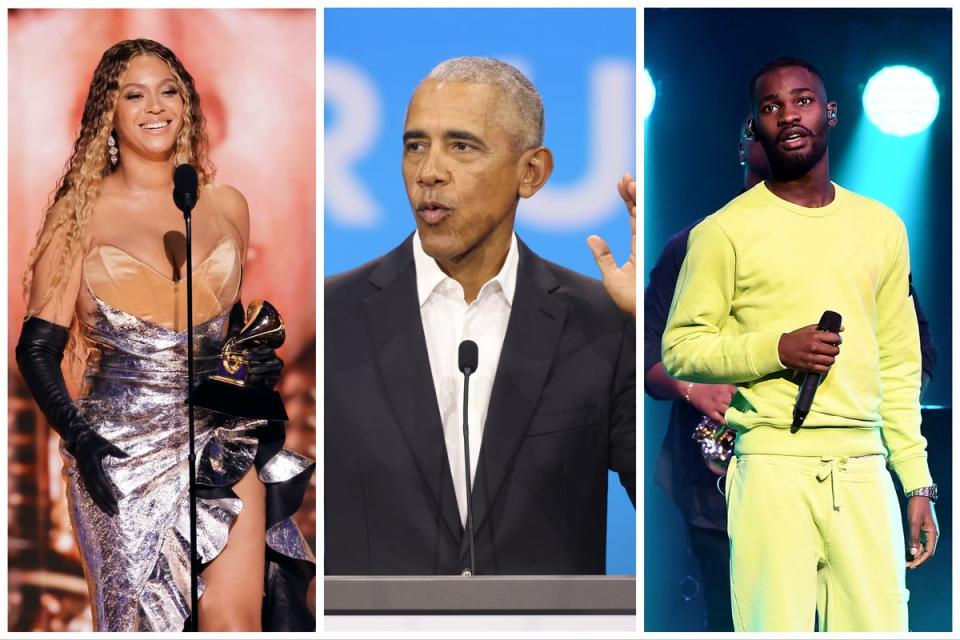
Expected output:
{"points": [[113, 150]]}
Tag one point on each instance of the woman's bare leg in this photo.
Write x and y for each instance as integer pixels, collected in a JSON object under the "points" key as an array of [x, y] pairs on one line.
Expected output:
{"points": [[234, 593]]}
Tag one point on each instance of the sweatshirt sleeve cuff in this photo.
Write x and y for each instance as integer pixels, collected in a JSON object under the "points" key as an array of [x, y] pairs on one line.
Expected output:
{"points": [[766, 354], [913, 473]]}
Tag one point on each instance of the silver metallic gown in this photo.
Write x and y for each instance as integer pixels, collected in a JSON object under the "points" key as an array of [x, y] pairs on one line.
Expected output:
{"points": [[137, 563]]}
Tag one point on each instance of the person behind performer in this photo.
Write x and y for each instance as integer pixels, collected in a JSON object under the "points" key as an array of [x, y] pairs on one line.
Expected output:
{"points": [[813, 520], [680, 467], [681, 470], [109, 265], [552, 400]]}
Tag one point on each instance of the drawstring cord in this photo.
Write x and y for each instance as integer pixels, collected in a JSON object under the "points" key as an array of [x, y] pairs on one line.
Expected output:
{"points": [[828, 469]]}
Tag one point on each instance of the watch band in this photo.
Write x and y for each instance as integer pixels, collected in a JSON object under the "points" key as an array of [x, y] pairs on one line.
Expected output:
{"points": [[926, 492]]}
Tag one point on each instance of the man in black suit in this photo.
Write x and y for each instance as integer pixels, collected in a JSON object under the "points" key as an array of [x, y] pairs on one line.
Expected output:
{"points": [[552, 402]]}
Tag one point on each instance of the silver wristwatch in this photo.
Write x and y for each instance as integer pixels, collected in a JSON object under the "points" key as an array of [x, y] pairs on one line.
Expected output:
{"points": [[926, 492]]}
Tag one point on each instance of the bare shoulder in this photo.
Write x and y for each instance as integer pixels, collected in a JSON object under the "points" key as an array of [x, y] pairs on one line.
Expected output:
{"points": [[229, 202]]}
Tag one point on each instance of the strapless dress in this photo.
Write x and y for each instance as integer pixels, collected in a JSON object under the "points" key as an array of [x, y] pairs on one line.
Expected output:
{"points": [[134, 392]]}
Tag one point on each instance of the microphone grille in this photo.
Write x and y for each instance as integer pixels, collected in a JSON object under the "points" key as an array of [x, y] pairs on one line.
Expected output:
{"points": [[830, 321], [468, 355], [185, 179]]}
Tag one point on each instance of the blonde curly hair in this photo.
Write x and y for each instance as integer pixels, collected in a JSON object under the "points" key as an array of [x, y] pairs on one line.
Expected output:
{"points": [[89, 163]]}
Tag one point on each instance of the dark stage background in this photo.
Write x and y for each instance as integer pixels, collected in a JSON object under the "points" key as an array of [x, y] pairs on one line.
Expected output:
{"points": [[255, 72], [701, 62]]}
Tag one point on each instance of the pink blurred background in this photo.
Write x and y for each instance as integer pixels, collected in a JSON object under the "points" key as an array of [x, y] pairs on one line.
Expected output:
{"points": [[256, 74]]}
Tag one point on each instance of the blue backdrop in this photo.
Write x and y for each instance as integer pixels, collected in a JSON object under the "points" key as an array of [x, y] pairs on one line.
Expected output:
{"points": [[582, 62]]}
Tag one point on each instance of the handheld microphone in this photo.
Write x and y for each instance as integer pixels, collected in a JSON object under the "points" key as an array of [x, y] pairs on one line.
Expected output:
{"points": [[185, 184], [829, 321], [467, 357]]}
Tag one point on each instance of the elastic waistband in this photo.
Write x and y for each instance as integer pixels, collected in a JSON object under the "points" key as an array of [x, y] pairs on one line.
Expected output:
{"points": [[809, 442], [855, 468]]}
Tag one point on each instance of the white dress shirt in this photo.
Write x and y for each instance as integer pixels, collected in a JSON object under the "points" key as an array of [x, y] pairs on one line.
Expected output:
{"points": [[447, 321]]}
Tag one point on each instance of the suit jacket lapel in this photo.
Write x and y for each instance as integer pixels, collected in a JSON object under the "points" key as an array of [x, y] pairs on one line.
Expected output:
{"points": [[401, 351], [536, 322]]}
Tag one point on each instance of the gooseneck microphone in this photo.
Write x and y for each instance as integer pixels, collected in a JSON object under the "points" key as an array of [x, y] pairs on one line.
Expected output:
{"points": [[467, 362], [185, 197], [829, 321]]}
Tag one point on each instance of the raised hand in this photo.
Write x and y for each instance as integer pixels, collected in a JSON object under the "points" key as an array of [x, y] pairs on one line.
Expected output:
{"points": [[620, 281]]}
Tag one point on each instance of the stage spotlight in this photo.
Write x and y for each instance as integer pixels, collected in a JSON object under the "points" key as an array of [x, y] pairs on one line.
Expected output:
{"points": [[648, 94], [901, 101]]}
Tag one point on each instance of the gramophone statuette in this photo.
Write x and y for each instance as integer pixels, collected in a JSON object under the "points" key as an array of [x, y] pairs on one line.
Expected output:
{"points": [[228, 390]]}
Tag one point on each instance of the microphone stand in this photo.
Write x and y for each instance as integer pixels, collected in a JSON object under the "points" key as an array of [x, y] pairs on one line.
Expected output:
{"points": [[466, 464], [194, 590], [185, 203]]}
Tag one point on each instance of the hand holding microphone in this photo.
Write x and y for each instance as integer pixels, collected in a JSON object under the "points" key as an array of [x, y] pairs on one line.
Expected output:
{"points": [[812, 349]]}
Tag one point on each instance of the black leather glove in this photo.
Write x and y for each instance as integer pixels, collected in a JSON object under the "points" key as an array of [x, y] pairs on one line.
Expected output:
{"points": [[263, 365], [39, 353]]}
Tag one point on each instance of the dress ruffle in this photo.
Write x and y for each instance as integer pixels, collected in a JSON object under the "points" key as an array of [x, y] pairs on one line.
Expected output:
{"points": [[224, 461], [137, 563]]}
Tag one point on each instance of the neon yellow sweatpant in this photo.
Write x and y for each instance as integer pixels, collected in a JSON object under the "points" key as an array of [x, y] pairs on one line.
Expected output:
{"points": [[813, 535]]}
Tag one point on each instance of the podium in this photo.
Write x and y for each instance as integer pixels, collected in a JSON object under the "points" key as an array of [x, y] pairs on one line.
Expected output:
{"points": [[490, 603]]}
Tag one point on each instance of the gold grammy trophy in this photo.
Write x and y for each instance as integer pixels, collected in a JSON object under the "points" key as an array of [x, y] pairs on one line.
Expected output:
{"points": [[228, 390]]}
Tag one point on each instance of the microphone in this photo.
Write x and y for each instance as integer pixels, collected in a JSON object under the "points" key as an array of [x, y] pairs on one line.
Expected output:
{"points": [[185, 197], [829, 321], [185, 188], [467, 357]]}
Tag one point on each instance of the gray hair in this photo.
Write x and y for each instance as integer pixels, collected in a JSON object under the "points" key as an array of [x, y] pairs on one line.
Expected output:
{"points": [[517, 89]]}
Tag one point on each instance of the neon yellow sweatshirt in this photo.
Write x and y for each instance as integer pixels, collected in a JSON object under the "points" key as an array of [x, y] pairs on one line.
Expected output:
{"points": [[763, 266]]}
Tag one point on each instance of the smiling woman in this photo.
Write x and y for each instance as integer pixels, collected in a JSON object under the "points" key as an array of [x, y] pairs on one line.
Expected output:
{"points": [[149, 113], [99, 272]]}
